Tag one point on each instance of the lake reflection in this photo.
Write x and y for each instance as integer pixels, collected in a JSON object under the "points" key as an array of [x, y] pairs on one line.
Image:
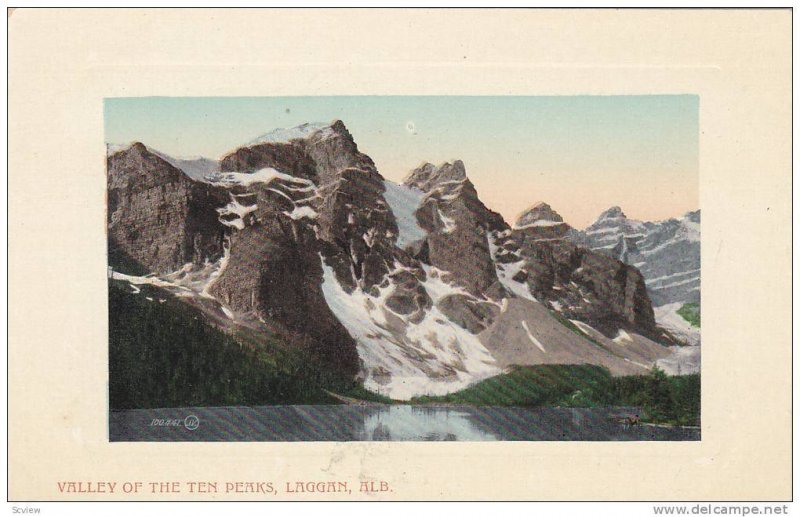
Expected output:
{"points": [[410, 423], [384, 423]]}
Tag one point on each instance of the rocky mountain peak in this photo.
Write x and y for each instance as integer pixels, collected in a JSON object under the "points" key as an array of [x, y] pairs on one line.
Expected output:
{"points": [[304, 132], [138, 147], [300, 132], [539, 212], [427, 176], [338, 127], [320, 152], [420, 176], [541, 222], [456, 223], [158, 218], [138, 168], [614, 212], [693, 217], [135, 151], [667, 252]]}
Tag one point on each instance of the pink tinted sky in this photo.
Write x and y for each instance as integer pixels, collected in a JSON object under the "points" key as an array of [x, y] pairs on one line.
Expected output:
{"points": [[580, 154]]}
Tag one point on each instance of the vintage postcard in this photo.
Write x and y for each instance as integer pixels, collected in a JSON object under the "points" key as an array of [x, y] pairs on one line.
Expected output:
{"points": [[399, 254]]}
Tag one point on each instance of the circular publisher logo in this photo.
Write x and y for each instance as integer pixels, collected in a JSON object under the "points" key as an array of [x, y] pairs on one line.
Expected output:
{"points": [[191, 422]]}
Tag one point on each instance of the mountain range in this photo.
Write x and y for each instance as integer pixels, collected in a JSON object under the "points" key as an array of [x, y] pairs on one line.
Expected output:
{"points": [[666, 252], [407, 289]]}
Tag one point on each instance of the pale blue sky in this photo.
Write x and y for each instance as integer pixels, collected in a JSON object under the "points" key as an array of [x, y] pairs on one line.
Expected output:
{"points": [[581, 154]]}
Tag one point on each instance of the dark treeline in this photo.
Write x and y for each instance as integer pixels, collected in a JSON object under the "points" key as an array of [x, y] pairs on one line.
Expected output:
{"points": [[662, 398], [167, 355]]}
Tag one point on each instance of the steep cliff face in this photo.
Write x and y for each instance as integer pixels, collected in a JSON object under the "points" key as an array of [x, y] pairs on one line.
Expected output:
{"points": [[273, 274], [581, 284], [456, 222], [588, 286], [666, 252], [157, 217], [328, 206], [359, 229]]}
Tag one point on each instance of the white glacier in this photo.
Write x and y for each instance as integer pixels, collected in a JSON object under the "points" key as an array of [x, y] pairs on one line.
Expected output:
{"points": [[393, 351], [286, 135], [404, 202]]}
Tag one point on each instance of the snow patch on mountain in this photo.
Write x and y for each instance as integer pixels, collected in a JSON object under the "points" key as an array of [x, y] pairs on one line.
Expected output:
{"points": [[438, 288], [300, 212], [235, 208], [404, 202], [286, 135], [683, 360], [506, 271], [622, 337], [667, 316], [533, 339], [218, 269], [448, 222], [265, 175], [190, 281], [197, 168], [403, 359], [147, 280], [537, 224], [586, 328]]}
